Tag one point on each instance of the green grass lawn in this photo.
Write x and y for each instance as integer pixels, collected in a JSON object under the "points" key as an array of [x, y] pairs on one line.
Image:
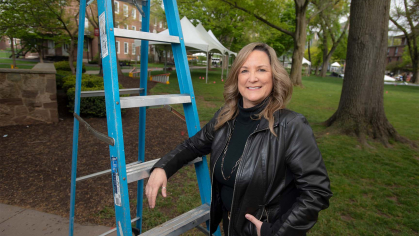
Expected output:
{"points": [[375, 190], [5, 54], [18, 66]]}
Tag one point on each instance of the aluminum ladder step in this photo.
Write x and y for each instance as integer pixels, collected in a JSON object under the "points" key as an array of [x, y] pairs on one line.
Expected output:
{"points": [[154, 100], [135, 171], [124, 33], [182, 223], [101, 93]]}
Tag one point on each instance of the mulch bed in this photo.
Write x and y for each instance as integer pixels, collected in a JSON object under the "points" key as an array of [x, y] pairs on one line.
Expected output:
{"points": [[36, 160]]}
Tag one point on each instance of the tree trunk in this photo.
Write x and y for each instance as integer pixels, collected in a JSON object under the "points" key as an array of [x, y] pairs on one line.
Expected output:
{"points": [[317, 71], [325, 54], [300, 36], [361, 108], [12, 48], [209, 61], [99, 60], [71, 56], [415, 69], [309, 56]]}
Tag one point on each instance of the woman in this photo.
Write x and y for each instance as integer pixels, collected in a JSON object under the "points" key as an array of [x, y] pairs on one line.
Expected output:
{"points": [[268, 176]]}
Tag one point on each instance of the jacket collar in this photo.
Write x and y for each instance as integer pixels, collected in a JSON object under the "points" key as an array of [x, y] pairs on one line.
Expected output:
{"points": [[279, 116]]}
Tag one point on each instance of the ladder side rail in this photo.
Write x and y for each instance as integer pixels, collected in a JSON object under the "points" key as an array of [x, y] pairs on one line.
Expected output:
{"points": [[113, 117], [185, 85], [82, 12], [145, 26]]}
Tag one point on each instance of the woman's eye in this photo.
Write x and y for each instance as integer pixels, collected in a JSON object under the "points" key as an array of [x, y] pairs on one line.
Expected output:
{"points": [[263, 70], [243, 71]]}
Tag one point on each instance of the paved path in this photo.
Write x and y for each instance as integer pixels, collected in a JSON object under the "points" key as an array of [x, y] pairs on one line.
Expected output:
{"points": [[17, 221], [401, 84]]}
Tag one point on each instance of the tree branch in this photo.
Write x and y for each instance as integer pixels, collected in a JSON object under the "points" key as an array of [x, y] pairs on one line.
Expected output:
{"points": [[292, 34], [406, 34]]}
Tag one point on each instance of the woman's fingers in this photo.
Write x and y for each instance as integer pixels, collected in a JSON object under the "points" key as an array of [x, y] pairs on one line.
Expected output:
{"points": [[157, 179], [255, 221]]}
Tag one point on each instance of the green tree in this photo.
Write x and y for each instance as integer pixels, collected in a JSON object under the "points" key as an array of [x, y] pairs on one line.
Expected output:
{"points": [[361, 106], [270, 12], [405, 17], [332, 30]]}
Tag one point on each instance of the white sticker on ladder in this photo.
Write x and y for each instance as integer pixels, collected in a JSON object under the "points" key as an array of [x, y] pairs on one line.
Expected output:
{"points": [[103, 37]]}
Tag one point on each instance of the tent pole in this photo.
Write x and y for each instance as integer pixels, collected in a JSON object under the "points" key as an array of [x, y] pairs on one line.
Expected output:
{"points": [[165, 59], [228, 61], [222, 68], [206, 74]]}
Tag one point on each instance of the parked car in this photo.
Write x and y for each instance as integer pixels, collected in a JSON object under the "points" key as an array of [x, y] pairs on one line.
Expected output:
{"points": [[389, 79]]}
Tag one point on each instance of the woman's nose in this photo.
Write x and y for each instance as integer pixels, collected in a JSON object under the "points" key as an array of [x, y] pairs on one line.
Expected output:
{"points": [[253, 77]]}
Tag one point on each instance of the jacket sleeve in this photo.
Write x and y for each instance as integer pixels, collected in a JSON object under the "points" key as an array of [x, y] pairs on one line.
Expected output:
{"points": [[193, 147], [304, 160]]}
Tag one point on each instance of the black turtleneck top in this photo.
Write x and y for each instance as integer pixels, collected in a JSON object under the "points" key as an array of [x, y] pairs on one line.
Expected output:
{"points": [[244, 126]]}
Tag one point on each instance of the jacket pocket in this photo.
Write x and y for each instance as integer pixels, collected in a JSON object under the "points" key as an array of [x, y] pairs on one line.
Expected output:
{"points": [[272, 213], [250, 229]]}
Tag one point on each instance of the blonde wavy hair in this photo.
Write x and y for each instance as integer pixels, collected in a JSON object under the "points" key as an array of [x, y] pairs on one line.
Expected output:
{"points": [[278, 98]]}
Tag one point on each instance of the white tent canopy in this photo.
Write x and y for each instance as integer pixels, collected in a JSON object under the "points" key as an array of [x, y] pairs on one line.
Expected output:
{"points": [[335, 64], [218, 42], [198, 38], [305, 61], [212, 44], [191, 36]]}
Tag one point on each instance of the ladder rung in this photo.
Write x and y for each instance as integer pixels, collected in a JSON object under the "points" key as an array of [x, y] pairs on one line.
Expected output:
{"points": [[142, 170], [124, 33], [135, 171], [101, 93], [182, 223], [154, 100], [97, 174]]}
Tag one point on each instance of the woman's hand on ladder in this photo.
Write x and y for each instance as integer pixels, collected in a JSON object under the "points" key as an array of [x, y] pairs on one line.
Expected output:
{"points": [[157, 179]]}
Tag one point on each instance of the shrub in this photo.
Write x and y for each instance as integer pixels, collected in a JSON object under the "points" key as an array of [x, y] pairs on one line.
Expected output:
{"points": [[89, 106], [64, 65], [61, 74]]}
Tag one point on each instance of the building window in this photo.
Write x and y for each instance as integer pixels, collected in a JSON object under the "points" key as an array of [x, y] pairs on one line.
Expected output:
{"points": [[397, 50], [9, 41], [154, 31], [116, 7], [389, 59], [388, 51], [134, 28], [125, 48], [155, 21], [86, 22], [117, 47], [134, 14], [133, 49], [116, 24], [125, 10], [161, 24], [140, 17], [126, 27]]}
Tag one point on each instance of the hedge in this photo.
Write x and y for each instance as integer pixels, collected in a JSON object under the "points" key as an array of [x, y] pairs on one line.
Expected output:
{"points": [[89, 106], [65, 66]]}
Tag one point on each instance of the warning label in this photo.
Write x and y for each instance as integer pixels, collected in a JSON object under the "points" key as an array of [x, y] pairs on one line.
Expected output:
{"points": [[103, 37], [115, 181]]}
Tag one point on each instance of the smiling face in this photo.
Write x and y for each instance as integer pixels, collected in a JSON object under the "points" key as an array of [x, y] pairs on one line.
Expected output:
{"points": [[255, 79]]}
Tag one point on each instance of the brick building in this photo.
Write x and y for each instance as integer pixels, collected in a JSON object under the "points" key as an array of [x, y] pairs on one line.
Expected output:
{"points": [[126, 17], [396, 48]]}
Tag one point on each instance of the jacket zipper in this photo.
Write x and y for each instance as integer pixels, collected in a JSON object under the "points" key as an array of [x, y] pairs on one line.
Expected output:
{"points": [[237, 174]]}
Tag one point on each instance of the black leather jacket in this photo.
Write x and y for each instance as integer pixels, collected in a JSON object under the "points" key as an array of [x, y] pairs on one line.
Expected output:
{"points": [[262, 175]]}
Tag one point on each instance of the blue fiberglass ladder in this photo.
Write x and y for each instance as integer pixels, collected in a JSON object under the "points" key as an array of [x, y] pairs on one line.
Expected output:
{"points": [[123, 173]]}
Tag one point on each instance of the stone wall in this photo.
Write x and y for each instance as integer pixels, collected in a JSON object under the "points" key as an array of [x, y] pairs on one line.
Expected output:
{"points": [[28, 96]]}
